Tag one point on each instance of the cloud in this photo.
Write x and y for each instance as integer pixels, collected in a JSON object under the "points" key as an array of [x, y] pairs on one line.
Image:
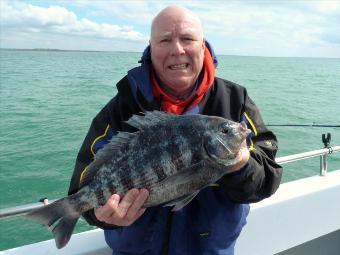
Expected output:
{"points": [[55, 19], [326, 6], [271, 28], [266, 28], [140, 12], [257, 21]]}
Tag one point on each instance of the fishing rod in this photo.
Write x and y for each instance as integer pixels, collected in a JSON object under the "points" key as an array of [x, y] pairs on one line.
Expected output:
{"points": [[301, 125]]}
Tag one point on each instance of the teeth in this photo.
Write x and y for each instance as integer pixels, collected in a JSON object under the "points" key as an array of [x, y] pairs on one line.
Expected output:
{"points": [[176, 67]]}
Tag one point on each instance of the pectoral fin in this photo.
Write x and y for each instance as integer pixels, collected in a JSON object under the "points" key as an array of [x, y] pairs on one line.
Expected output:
{"points": [[184, 176]]}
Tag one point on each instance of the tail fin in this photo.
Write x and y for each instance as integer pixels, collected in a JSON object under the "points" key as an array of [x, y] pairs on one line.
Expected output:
{"points": [[61, 213]]}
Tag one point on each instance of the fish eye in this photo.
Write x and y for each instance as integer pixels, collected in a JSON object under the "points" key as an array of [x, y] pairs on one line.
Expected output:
{"points": [[224, 129]]}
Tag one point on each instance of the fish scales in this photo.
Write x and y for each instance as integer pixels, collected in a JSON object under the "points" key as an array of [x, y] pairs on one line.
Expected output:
{"points": [[181, 139], [170, 152], [143, 174], [174, 157], [155, 150], [170, 192]]}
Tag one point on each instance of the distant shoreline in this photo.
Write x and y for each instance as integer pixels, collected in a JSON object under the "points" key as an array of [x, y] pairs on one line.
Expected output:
{"points": [[60, 50], [139, 52]]}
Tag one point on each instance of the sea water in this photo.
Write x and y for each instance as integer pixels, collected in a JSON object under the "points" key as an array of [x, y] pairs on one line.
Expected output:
{"points": [[49, 98]]}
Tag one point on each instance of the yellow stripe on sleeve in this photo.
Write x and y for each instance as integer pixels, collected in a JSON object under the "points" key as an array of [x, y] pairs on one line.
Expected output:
{"points": [[251, 147], [95, 140], [92, 151], [251, 123], [82, 175]]}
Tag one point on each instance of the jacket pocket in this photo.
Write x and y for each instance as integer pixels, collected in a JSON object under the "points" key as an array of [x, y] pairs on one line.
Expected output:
{"points": [[218, 222], [137, 238]]}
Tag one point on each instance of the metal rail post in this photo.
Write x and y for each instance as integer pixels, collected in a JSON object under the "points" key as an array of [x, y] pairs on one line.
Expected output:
{"points": [[323, 164], [326, 140]]}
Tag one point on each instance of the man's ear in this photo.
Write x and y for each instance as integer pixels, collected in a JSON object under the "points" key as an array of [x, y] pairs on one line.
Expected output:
{"points": [[203, 44]]}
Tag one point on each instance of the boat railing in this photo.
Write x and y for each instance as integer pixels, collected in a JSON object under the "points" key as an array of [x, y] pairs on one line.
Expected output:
{"points": [[322, 153]]}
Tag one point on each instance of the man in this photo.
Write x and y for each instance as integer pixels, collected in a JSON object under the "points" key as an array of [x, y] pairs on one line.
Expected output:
{"points": [[178, 75]]}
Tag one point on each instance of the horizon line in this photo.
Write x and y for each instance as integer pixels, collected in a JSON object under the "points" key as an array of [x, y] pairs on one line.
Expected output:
{"points": [[73, 50]]}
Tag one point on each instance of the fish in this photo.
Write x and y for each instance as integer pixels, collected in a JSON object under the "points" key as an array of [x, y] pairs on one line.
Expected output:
{"points": [[173, 157]]}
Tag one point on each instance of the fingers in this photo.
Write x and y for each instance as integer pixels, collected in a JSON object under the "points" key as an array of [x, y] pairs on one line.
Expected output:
{"points": [[243, 154], [136, 207], [123, 212], [105, 212], [241, 158], [126, 203]]}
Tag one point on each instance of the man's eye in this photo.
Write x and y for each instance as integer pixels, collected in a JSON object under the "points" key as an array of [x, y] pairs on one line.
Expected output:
{"points": [[164, 40]]}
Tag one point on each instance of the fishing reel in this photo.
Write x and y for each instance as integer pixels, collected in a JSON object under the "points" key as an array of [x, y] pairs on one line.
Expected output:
{"points": [[326, 140]]}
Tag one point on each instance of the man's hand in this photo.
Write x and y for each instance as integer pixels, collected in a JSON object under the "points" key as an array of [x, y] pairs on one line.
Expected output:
{"points": [[123, 212], [241, 158]]}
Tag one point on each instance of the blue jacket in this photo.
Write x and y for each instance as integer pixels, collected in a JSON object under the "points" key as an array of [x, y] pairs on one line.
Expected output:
{"points": [[211, 223]]}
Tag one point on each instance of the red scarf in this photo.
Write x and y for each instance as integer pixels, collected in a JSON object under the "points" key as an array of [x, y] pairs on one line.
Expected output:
{"points": [[169, 104]]}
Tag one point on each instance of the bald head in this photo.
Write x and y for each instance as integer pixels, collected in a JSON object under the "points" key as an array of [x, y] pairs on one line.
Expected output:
{"points": [[173, 14], [177, 50]]}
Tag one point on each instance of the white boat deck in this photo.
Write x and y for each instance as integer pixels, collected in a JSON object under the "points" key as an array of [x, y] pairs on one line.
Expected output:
{"points": [[300, 212], [87, 243]]}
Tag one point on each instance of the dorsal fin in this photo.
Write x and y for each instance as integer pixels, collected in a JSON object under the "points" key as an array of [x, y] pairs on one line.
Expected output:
{"points": [[111, 149], [149, 119], [116, 143]]}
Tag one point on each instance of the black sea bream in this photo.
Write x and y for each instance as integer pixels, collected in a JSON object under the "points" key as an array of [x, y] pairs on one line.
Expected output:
{"points": [[174, 157]]}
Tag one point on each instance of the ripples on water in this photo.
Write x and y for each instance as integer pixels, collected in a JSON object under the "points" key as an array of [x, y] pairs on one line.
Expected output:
{"points": [[48, 100]]}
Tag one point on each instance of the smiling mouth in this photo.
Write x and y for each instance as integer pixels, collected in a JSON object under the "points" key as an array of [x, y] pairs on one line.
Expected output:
{"points": [[179, 67]]}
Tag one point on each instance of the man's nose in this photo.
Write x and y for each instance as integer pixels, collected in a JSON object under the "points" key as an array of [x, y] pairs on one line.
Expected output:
{"points": [[177, 48]]}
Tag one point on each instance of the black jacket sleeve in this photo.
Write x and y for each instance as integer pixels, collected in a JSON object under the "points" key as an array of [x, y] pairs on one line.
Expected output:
{"points": [[110, 119], [107, 118], [261, 176]]}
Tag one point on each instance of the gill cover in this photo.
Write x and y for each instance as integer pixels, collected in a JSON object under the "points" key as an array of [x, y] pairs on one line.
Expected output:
{"points": [[218, 150]]}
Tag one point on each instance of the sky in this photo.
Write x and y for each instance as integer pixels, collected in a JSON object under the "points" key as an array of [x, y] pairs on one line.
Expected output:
{"points": [[278, 28]]}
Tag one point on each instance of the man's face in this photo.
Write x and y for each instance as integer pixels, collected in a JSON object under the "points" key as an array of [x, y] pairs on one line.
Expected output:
{"points": [[177, 50]]}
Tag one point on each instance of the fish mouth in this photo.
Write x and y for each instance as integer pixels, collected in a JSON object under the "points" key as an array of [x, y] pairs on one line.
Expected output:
{"points": [[243, 129]]}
